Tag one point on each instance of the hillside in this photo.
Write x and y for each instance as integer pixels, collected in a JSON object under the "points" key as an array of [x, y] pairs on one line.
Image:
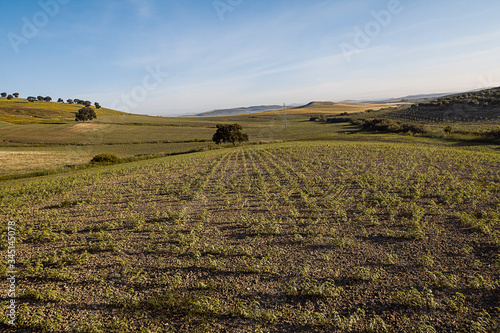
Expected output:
{"points": [[20, 111], [470, 106]]}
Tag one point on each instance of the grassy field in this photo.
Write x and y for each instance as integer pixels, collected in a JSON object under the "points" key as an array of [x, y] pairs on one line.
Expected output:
{"points": [[20, 111], [43, 136], [309, 227], [298, 237], [15, 161]]}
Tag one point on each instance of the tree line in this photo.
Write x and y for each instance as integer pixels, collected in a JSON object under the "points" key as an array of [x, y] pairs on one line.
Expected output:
{"points": [[84, 114], [49, 99], [10, 96]]}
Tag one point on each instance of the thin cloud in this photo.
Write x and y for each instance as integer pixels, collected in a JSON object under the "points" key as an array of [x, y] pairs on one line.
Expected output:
{"points": [[143, 8]]}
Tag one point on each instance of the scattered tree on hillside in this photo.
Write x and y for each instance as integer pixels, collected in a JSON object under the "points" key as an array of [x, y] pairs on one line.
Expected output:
{"points": [[60, 100], [16, 95], [47, 99], [87, 103], [10, 97], [97, 105], [4, 94], [69, 101], [40, 98], [229, 133], [31, 98], [85, 114]]}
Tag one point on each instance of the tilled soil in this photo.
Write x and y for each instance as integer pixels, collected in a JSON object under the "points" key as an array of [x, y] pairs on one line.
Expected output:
{"points": [[316, 237]]}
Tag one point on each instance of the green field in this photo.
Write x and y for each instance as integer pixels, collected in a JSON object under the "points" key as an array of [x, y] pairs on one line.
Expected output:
{"points": [[32, 143], [308, 227], [298, 237]]}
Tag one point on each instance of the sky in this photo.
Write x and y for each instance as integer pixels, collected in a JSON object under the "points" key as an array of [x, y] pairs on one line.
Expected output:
{"points": [[166, 57]]}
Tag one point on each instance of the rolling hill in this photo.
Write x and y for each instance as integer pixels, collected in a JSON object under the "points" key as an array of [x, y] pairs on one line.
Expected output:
{"points": [[20, 111], [238, 111], [469, 106], [329, 108]]}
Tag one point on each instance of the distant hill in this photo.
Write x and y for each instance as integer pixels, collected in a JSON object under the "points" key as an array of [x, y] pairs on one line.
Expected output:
{"points": [[411, 98], [331, 108], [464, 106], [468, 106], [237, 111], [420, 98], [316, 104]]}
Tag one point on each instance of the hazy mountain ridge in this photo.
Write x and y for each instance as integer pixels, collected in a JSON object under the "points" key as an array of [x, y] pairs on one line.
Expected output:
{"points": [[239, 110]]}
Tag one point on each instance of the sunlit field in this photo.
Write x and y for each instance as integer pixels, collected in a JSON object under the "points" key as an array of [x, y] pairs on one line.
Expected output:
{"points": [[297, 237]]}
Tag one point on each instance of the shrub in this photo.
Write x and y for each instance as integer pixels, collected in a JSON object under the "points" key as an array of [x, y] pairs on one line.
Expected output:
{"points": [[339, 120], [388, 125], [104, 158]]}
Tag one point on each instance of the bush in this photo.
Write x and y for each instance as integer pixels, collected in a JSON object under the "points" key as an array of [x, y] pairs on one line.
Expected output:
{"points": [[339, 120], [391, 126], [105, 158]]}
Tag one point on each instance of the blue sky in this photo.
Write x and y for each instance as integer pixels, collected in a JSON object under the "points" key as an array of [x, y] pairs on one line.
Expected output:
{"points": [[165, 57]]}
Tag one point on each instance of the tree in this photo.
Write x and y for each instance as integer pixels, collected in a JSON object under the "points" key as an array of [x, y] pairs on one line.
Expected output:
{"points": [[85, 114], [10, 97], [60, 100], [47, 99], [40, 98], [69, 101], [16, 95], [87, 103], [229, 133], [31, 98], [4, 94], [97, 105]]}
